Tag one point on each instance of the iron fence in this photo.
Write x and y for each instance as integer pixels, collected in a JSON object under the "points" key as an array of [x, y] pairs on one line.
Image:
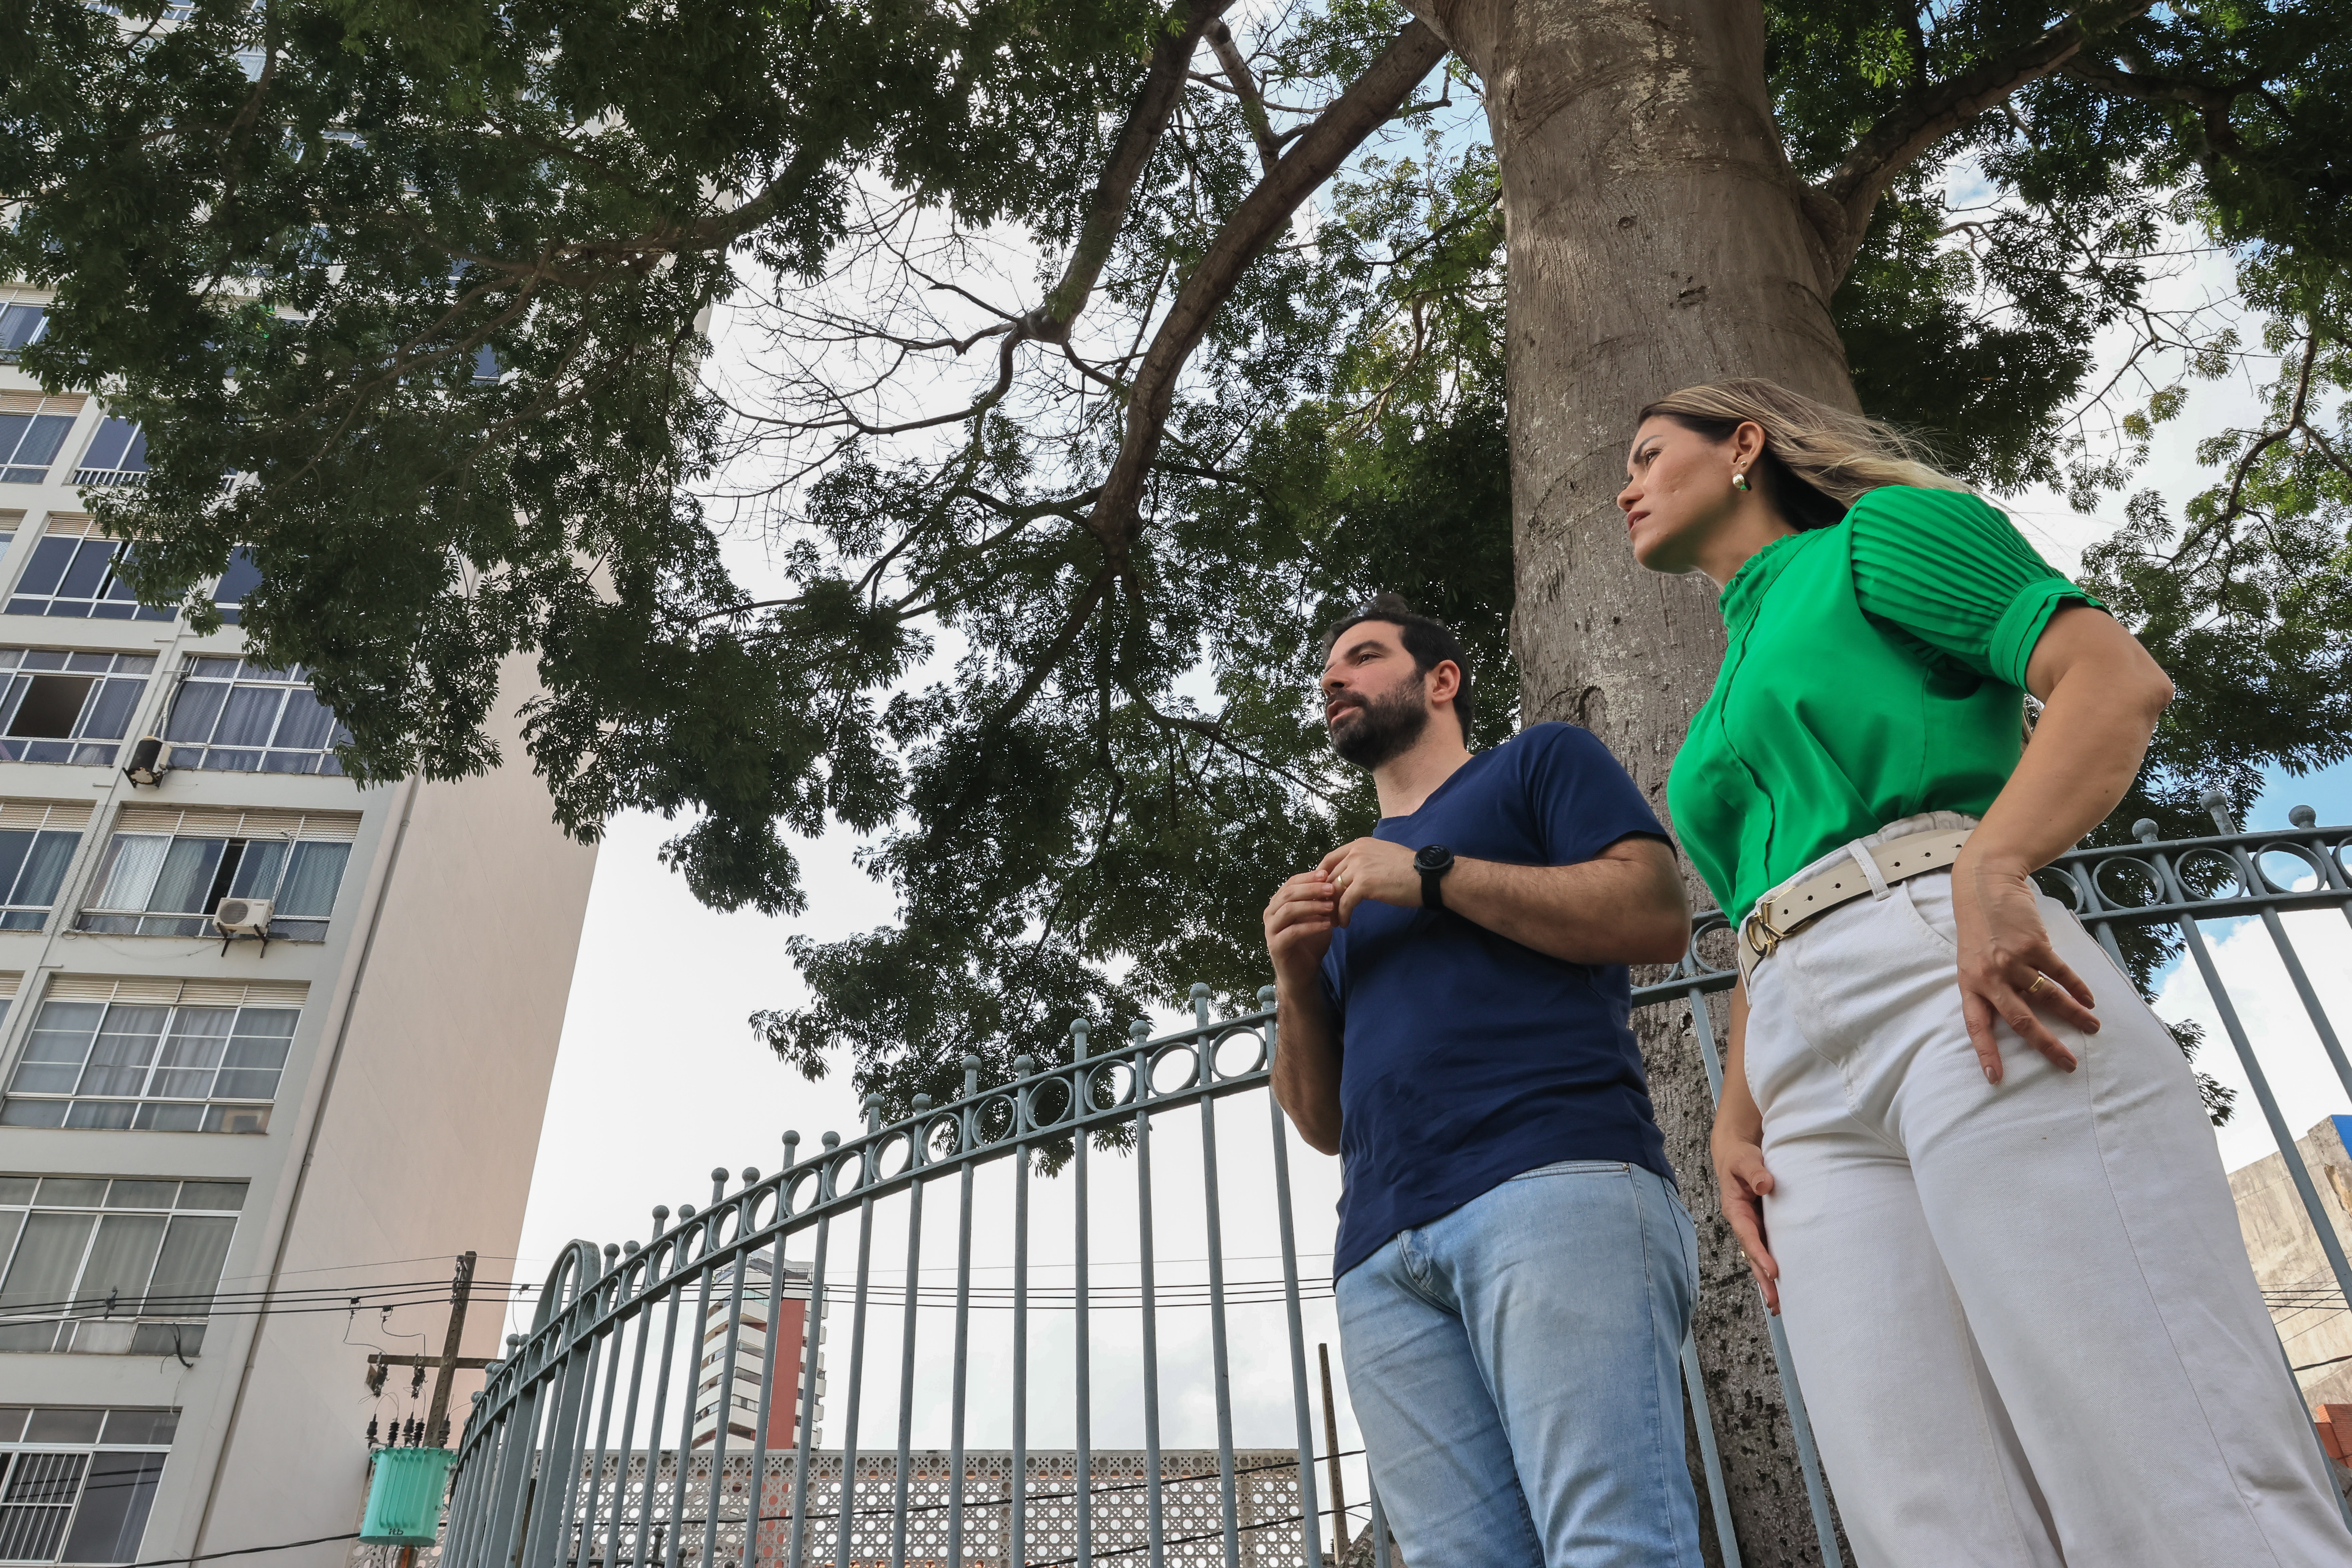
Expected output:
{"points": [[609, 1436]]}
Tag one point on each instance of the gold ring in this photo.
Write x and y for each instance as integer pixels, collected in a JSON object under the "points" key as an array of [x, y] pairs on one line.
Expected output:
{"points": [[2040, 980]]}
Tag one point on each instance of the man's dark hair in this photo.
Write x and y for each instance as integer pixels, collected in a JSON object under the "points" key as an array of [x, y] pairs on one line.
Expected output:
{"points": [[1429, 643]]}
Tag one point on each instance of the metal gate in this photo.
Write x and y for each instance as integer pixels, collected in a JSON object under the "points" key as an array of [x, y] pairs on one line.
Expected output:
{"points": [[666, 1407]]}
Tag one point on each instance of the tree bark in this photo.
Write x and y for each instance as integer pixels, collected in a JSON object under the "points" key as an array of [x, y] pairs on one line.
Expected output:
{"points": [[1657, 237]]}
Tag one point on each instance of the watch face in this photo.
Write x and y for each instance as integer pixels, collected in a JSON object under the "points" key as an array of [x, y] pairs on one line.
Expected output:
{"points": [[1436, 857]]}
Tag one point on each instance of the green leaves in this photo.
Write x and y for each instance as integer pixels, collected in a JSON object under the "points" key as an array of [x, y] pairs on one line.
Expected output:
{"points": [[436, 283]]}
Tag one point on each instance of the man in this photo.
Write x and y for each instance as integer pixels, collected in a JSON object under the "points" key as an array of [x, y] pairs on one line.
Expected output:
{"points": [[1514, 1271]]}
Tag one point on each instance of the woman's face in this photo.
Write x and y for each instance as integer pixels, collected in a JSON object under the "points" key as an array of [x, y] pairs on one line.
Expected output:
{"points": [[1677, 492]]}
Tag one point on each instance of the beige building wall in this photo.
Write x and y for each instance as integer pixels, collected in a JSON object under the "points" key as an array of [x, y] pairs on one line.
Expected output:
{"points": [[2305, 1298], [405, 1125]]}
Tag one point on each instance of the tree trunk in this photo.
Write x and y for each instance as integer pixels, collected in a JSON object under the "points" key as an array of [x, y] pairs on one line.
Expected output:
{"points": [[1657, 237]]}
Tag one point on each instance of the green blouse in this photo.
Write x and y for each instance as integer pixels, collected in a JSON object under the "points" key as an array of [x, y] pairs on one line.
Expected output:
{"points": [[1875, 671]]}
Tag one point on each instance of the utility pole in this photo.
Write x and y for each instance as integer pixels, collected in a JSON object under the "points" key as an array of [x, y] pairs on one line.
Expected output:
{"points": [[448, 1361], [1331, 1458]]}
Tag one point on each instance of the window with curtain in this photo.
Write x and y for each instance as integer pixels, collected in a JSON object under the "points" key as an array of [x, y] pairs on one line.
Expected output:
{"points": [[166, 1069], [32, 864], [72, 575], [78, 1482], [151, 884], [241, 716], [120, 1266], [60, 707], [29, 443]]}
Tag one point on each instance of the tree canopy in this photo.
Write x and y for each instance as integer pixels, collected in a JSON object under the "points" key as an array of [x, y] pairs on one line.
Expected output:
{"points": [[1097, 350]]}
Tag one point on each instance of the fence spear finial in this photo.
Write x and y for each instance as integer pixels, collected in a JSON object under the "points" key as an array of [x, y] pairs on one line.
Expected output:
{"points": [[2217, 805], [971, 1075], [1078, 1030], [792, 1150]]}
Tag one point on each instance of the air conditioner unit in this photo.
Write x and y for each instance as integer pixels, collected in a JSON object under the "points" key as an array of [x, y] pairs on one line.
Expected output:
{"points": [[242, 917], [151, 759]]}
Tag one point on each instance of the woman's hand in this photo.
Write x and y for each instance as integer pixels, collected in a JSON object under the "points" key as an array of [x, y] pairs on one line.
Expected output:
{"points": [[2007, 967], [1741, 1180]]}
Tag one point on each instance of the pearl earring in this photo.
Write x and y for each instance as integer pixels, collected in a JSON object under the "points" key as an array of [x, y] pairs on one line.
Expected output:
{"points": [[1740, 481]]}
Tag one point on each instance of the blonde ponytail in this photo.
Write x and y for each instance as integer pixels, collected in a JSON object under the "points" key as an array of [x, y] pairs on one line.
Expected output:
{"points": [[1836, 456]]}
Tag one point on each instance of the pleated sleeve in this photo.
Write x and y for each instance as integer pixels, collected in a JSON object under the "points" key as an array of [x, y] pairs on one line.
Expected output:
{"points": [[1953, 575]]}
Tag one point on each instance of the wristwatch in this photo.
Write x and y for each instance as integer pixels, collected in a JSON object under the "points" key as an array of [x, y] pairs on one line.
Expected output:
{"points": [[1432, 863]]}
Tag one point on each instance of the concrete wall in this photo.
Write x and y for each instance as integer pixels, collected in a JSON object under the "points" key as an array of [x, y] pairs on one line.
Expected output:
{"points": [[426, 1143], [2287, 1256]]}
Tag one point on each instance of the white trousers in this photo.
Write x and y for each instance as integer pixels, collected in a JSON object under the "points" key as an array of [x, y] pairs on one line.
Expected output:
{"points": [[2025, 1324]]}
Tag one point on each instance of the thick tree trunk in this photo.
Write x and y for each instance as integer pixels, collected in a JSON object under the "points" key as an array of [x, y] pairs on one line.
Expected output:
{"points": [[1657, 238]]}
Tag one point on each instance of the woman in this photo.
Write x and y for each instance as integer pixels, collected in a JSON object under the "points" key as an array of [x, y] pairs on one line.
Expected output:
{"points": [[1966, 1162]]}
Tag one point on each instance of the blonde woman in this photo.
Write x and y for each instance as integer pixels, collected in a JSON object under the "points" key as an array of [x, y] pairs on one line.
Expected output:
{"points": [[1966, 1162]]}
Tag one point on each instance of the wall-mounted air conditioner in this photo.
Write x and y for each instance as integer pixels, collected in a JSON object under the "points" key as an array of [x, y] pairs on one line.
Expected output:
{"points": [[242, 917]]}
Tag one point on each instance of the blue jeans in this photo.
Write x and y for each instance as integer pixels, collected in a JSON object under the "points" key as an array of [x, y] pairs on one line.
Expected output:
{"points": [[1516, 1368]]}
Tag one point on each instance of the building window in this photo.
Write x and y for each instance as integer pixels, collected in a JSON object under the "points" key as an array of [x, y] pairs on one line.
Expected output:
{"points": [[76, 1483], [241, 716], [72, 574], [21, 326], [116, 455], [241, 578], [200, 1064], [59, 707], [36, 844], [29, 439], [119, 1267], [165, 872]]}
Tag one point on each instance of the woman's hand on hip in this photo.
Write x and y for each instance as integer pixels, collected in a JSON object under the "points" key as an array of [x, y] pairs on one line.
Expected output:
{"points": [[1741, 1184], [2008, 968]]}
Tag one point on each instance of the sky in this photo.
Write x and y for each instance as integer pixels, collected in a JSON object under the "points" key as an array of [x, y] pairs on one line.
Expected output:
{"points": [[659, 1080]]}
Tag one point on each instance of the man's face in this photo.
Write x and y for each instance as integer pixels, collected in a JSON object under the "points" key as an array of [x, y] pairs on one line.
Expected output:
{"points": [[1375, 703]]}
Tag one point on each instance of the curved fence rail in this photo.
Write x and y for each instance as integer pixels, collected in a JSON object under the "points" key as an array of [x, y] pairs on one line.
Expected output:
{"points": [[667, 1405]]}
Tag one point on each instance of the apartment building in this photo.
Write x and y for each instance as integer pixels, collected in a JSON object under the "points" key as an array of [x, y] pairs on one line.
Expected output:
{"points": [[264, 1033]]}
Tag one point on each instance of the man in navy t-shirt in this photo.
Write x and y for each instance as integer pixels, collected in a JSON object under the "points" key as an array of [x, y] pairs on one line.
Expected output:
{"points": [[1514, 1271]]}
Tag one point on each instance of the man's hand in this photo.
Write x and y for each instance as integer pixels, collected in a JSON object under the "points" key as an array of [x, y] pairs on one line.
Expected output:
{"points": [[1370, 868], [1299, 922]]}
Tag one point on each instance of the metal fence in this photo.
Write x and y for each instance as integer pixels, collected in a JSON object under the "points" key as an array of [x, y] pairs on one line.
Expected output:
{"points": [[666, 1406]]}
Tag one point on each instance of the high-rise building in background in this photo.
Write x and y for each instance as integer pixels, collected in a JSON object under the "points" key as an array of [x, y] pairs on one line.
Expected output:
{"points": [[266, 1036], [791, 1307]]}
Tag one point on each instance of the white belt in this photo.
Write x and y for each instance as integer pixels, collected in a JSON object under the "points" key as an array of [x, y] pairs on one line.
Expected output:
{"points": [[1780, 916]]}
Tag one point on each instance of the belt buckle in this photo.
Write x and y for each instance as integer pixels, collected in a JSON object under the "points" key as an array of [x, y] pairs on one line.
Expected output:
{"points": [[1763, 938]]}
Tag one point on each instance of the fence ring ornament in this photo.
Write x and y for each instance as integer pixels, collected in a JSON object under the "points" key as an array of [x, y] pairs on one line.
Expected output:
{"points": [[2151, 892], [2305, 859], [1218, 1071], [2206, 874]]}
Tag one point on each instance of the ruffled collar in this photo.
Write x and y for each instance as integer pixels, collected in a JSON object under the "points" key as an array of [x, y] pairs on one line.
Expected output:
{"points": [[1745, 591]]}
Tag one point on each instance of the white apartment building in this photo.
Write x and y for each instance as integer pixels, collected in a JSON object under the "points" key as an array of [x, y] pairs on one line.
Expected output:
{"points": [[190, 1121], [790, 1305]]}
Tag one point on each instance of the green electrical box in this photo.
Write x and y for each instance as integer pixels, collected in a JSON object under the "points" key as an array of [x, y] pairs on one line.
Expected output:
{"points": [[403, 1506]]}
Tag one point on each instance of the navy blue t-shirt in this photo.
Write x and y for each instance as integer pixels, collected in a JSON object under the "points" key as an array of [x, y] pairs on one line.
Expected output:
{"points": [[1467, 1058]]}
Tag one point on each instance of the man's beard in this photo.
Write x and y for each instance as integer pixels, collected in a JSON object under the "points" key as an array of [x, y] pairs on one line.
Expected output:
{"points": [[1385, 727]]}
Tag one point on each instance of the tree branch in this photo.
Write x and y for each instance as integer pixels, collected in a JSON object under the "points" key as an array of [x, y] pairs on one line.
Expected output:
{"points": [[1245, 85], [1842, 203], [1164, 86], [1255, 224], [2211, 102]]}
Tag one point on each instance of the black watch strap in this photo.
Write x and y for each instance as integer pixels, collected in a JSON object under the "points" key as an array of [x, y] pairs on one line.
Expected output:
{"points": [[1432, 862]]}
